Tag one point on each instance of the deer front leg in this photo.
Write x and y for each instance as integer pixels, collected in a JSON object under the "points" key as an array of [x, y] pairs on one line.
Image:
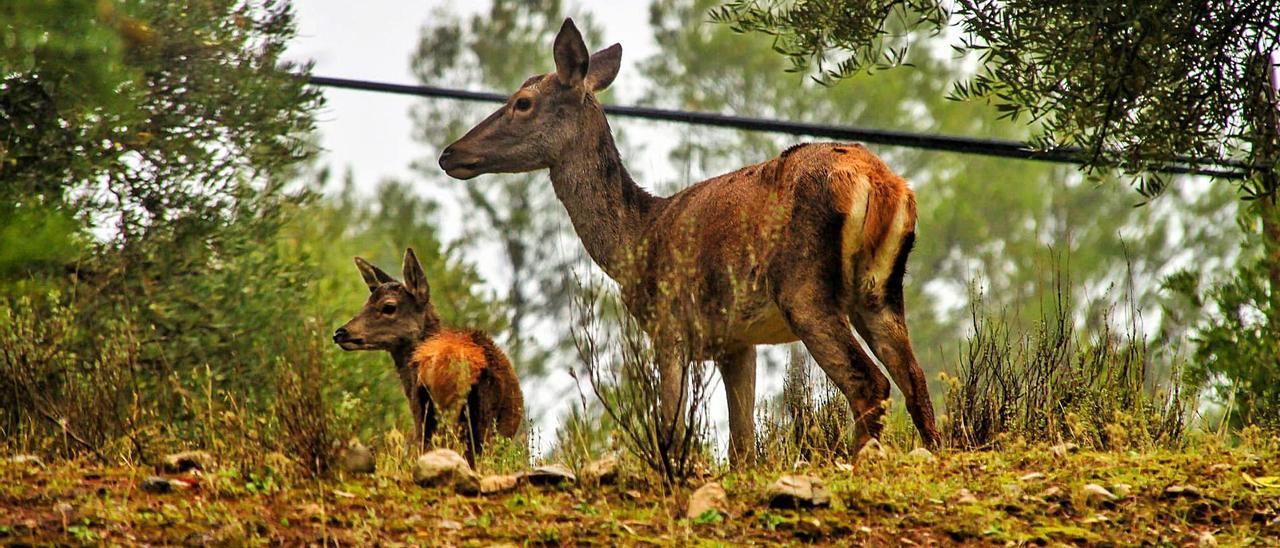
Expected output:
{"points": [[738, 370], [671, 401]]}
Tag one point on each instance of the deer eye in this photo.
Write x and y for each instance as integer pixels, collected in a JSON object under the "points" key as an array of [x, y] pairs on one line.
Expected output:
{"points": [[523, 104], [389, 308]]}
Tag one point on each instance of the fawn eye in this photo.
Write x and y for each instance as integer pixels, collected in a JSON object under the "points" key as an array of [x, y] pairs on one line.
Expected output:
{"points": [[523, 104], [389, 309]]}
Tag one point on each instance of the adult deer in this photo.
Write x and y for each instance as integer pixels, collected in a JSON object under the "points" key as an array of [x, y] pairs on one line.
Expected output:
{"points": [[804, 246]]}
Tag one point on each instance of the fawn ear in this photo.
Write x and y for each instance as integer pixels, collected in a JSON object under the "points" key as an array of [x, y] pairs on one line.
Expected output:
{"points": [[373, 276], [415, 280], [604, 67], [571, 55]]}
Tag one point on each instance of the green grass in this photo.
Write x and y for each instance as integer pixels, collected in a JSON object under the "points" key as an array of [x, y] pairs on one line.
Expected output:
{"points": [[879, 503]]}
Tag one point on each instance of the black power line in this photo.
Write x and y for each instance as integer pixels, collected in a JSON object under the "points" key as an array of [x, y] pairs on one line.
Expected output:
{"points": [[1226, 169]]}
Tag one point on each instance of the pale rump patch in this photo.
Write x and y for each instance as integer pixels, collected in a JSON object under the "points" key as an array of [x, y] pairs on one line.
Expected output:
{"points": [[449, 364], [850, 190]]}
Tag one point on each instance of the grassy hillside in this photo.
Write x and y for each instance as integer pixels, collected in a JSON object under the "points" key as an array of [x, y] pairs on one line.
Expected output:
{"points": [[1019, 495]]}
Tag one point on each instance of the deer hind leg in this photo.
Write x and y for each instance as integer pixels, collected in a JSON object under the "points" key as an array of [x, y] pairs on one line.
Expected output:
{"points": [[883, 323], [811, 310], [886, 332], [738, 369]]}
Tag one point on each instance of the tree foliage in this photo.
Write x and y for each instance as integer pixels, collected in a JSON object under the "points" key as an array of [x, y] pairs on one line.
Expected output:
{"points": [[1135, 84]]}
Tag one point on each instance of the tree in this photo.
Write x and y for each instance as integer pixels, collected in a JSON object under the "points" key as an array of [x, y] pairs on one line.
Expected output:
{"points": [[150, 144]]}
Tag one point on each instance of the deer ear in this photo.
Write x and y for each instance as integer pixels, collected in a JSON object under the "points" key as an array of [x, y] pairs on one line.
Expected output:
{"points": [[414, 279], [373, 276], [571, 55], [604, 67]]}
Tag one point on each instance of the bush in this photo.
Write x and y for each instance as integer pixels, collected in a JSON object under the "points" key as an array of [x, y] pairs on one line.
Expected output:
{"points": [[1055, 384]]}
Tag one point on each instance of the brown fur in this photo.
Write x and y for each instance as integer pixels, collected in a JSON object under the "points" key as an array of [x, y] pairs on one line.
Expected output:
{"points": [[452, 365], [459, 374], [805, 246]]}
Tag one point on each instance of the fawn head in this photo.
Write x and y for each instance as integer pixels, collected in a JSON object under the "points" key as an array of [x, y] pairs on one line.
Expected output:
{"points": [[544, 120], [397, 314]]}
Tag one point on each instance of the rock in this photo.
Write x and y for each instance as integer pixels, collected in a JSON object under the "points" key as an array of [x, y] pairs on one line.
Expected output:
{"points": [[550, 475], [157, 485], [601, 472], [1061, 450], [1183, 491], [708, 497], [442, 467], [1095, 492], [492, 485], [796, 490], [963, 496], [872, 451], [1121, 489], [355, 458], [1052, 493], [187, 460], [29, 461], [1206, 539], [1034, 476], [921, 454], [449, 524]]}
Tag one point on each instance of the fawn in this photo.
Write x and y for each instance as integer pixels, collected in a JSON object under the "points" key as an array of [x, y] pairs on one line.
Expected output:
{"points": [[448, 375]]}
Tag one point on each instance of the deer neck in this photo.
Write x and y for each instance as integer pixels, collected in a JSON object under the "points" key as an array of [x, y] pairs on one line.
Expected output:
{"points": [[609, 211], [402, 354]]}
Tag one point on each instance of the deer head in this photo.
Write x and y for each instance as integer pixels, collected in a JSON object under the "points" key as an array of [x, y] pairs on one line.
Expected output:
{"points": [[397, 314], [541, 122]]}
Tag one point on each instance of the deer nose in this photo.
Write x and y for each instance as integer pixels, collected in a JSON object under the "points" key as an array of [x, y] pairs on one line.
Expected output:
{"points": [[340, 335], [445, 156]]}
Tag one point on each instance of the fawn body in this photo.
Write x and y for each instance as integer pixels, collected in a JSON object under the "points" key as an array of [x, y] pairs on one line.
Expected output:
{"points": [[805, 246], [449, 376]]}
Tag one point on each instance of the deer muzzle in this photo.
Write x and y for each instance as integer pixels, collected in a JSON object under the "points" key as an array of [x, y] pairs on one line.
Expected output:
{"points": [[459, 164]]}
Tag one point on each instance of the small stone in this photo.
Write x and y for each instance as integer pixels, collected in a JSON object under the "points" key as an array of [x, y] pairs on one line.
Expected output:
{"points": [[355, 458], [1183, 491], [187, 460], [921, 454], [1206, 539], [1061, 450], [1034, 476], [708, 497], [796, 490], [550, 475], [441, 467], [844, 467], [30, 461], [872, 451], [1121, 489], [157, 485], [449, 524], [492, 485], [1095, 492], [1052, 493], [963, 496], [601, 472]]}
